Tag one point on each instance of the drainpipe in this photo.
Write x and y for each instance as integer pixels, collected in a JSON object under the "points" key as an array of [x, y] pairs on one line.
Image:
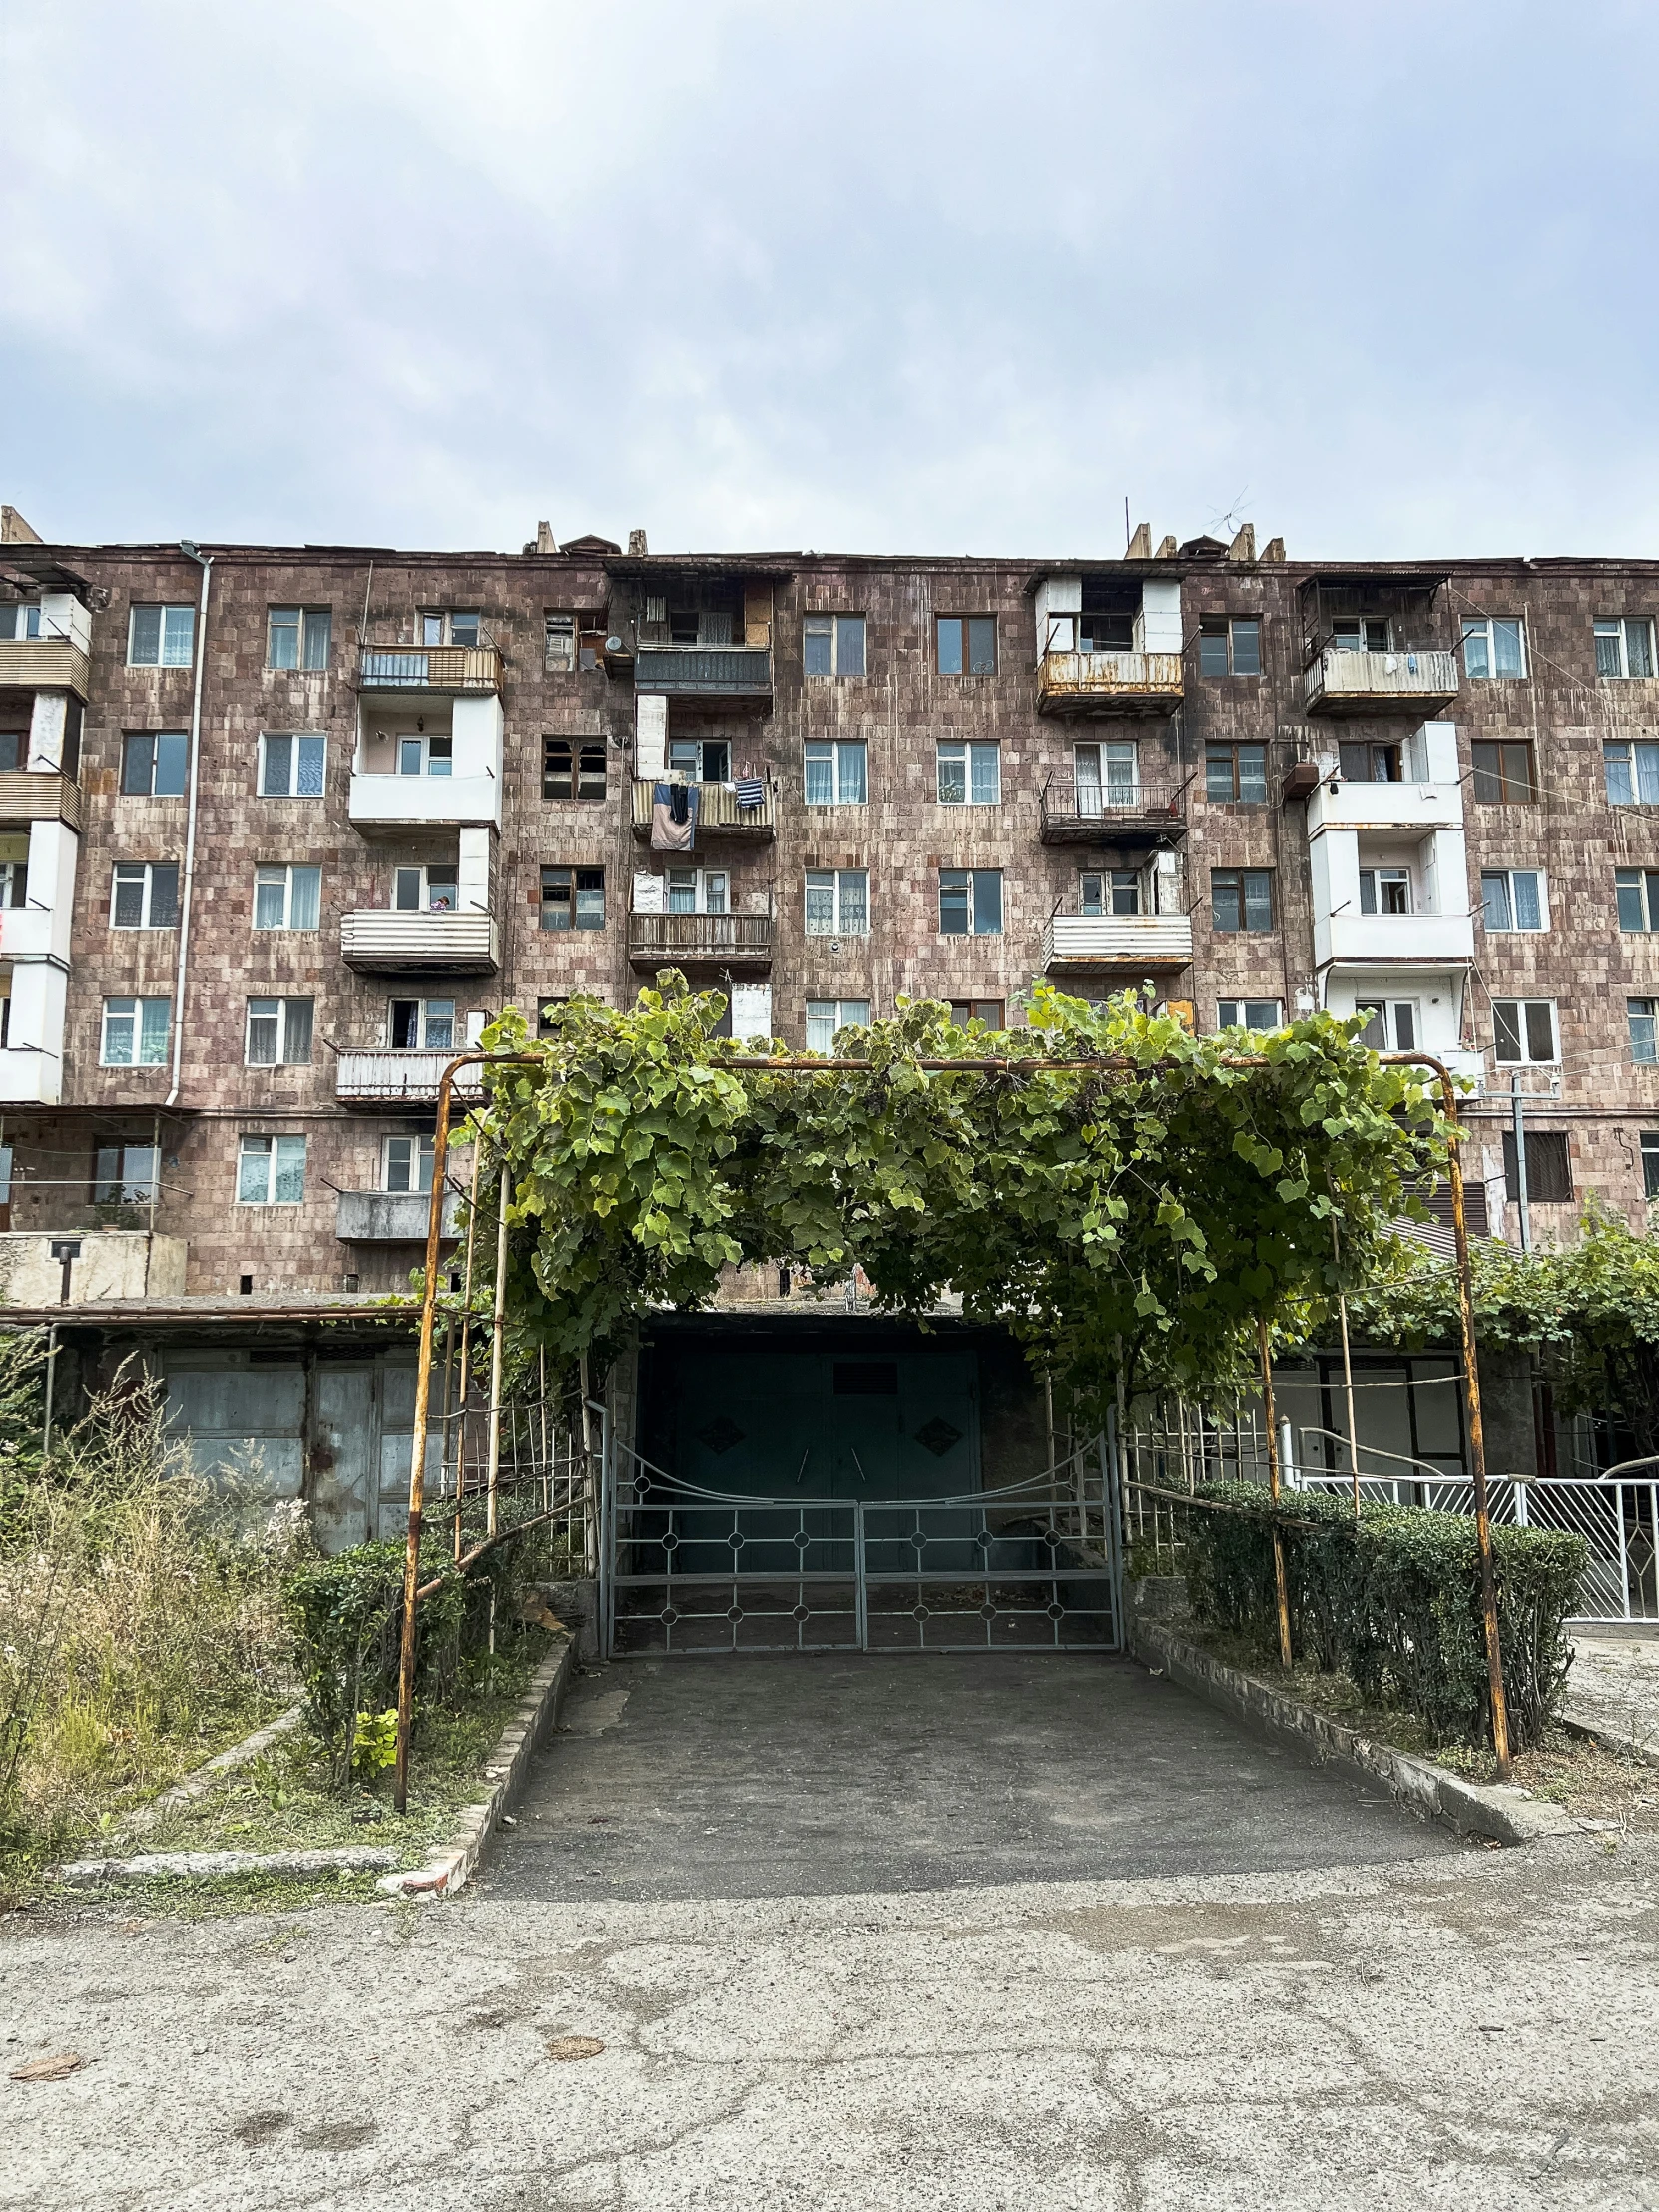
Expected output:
{"points": [[205, 563]]}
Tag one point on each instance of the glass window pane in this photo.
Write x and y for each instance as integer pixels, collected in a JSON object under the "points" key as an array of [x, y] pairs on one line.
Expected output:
{"points": [[177, 636], [304, 897], [284, 637], [854, 902], [849, 645], [952, 775], [1616, 766], [953, 902], [1629, 886], [1644, 1046], [1374, 1035], [1218, 774], [1494, 897], [152, 1030], [988, 775], [263, 1017], [714, 891], [1607, 649], [1638, 648], [311, 766], [1258, 887], [950, 645], [1540, 1030], [821, 772], [144, 649], [119, 1020], [399, 1163], [1647, 775], [319, 630], [1223, 899], [820, 1025], [982, 645], [164, 896], [682, 890], [1253, 772], [817, 633], [1476, 652], [408, 756], [1506, 1028], [297, 1040], [854, 1013], [1529, 905], [1212, 652], [1261, 1014], [171, 764], [987, 902], [279, 768], [254, 1171], [291, 1170], [1246, 649], [1506, 649], [138, 764], [1121, 762], [820, 905], [129, 899], [854, 787], [439, 1024]]}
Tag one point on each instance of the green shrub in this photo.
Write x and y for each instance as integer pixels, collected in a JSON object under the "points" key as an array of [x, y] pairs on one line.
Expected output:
{"points": [[1394, 1601]]}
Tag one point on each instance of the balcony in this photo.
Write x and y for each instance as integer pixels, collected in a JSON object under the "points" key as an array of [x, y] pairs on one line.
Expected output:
{"points": [[448, 670], [385, 1078], [100, 1263], [45, 664], [385, 943], [389, 806], [1353, 939], [699, 940], [1109, 683], [1095, 814], [1340, 683], [26, 795], [1339, 803], [718, 813], [391, 1217], [1133, 944], [704, 670]]}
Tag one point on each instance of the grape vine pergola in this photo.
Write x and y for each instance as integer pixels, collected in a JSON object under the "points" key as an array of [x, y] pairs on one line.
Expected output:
{"points": [[1130, 1200]]}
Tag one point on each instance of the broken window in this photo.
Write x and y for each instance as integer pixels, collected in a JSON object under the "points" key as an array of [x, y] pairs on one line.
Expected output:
{"points": [[572, 899], [573, 767], [1115, 890], [559, 644]]}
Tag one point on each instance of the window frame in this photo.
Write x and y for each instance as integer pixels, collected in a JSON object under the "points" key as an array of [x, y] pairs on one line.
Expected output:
{"points": [[1514, 927], [145, 1049], [121, 1187], [1121, 895], [1610, 628], [843, 1019], [837, 622], [1394, 877], [837, 879], [298, 739], [1483, 629], [1218, 749], [1240, 881], [1214, 629], [673, 768], [1635, 751], [1524, 1056], [1486, 772], [972, 878], [284, 1021], [701, 878], [1542, 1145], [1649, 1149], [581, 751], [147, 871], [552, 666], [836, 749], [973, 752], [1275, 1006], [1385, 1018], [309, 626], [443, 870], [287, 869], [132, 743], [1643, 1014], [279, 1155], [164, 609], [421, 1153], [970, 632], [567, 876], [445, 618], [423, 741], [423, 1023]]}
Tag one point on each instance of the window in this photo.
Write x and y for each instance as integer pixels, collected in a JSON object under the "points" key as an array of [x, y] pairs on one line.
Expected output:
{"points": [[559, 644], [1504, 771], [548, 1011], [1624, 647], [700, 625], [573, 767], [1514, 898], [573, 898], [161, 637], [967, 645], [425, 755], [838, 902], [407, 1165], [300, 637], [1385, 891], [1390, 1024], [124, 1175], [1549, 1167], [271, 1171], [1525, 1031], [1495, 646], [1229, 646], [279, 1032], [14, 871], [425, 890], [833, 645], [14, 747], [1240, 899], [143, 896], [971, 775], [1650, 1163], [837, 771], [992, 1011], [1638, 893], [698, 890], [290, 767], [1360, 634], [421, 1024], [154, 764], [970, 901], [701, 759], [288, 897], [825, 1016], [135, 1032], [1632, 770], [1248, 1013], [1236, 773], [1108, 774], [1114, 891], [451, 628], [18, 624], [1361, 762], [1644, 1031]]}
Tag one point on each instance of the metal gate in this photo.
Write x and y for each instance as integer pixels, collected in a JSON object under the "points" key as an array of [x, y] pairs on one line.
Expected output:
{"points": [[1035, 1566]]}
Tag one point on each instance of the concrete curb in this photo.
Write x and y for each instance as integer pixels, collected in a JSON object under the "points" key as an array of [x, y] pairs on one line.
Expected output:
{"points": [[206, 1866], [213, 1771], [450, 1869], [1502, 1811], [1642, 1749]]}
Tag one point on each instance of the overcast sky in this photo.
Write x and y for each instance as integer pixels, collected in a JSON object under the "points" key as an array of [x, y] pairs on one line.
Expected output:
{"points": [[903, 277]]}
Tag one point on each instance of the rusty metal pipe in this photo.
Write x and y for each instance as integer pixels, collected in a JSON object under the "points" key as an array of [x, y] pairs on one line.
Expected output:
{"points": [[1279, 1582]]}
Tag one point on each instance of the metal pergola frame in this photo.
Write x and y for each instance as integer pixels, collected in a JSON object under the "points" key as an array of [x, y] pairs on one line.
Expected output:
{"points": [[1103, 1063]]}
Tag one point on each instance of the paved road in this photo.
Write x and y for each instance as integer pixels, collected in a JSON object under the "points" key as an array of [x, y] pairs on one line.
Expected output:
{"points": [[1467, 2028], [786, 1777]]}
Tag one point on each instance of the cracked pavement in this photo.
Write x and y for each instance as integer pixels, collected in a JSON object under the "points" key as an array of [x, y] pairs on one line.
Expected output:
{"points": [[1451, 2026]]}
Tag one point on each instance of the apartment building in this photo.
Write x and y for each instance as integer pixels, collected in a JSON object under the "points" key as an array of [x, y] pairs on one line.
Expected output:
{"points": [[283, 826]]}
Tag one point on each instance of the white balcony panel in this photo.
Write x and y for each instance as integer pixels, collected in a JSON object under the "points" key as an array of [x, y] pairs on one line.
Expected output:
{"points": [[1147, 943], [111, 1264], [381, 943], [391, 1078], [1341, 805], [389, 803], [1388, 682], [1393, 940]]}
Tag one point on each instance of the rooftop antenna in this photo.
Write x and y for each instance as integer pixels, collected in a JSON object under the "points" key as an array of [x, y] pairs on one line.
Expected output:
{"points": [[1126, 530]]}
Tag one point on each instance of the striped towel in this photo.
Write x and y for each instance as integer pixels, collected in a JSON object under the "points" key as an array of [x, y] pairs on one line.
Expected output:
{"points": [[749, 790]]}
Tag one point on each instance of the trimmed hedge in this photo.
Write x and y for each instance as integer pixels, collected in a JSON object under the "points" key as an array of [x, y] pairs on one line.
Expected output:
{"points": [[1393, 1600]]}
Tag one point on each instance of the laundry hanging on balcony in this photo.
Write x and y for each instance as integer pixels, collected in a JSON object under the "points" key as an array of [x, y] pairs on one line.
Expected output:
{"points": [[749, 790], [673, 817]]}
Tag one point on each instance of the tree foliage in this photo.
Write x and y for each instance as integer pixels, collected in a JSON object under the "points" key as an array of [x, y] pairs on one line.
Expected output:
{"points": [[1138, 1211]]}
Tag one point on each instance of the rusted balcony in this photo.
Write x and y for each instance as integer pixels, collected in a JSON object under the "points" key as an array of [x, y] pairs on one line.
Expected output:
{"points": [[1112, 813], [1109, 683], [700, 940], [381, 943], [718, 812], [704, 670], [26, 795], [384, 1076], [1344, 683], [445, 668]]}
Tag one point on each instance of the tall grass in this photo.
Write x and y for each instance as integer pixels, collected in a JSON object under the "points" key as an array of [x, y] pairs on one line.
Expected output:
{"points": [[141, 1616]]}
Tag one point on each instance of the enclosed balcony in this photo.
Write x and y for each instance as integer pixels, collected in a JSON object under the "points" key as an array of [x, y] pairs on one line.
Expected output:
{"points": [[1109, 683], [718, 812], [383, 1077], [1085, 811], [452, 670], [1128, 945], [27, 796], [383, 942], [704, 670], [700, 940], [46, 641], [1346, 681], [391, 1217]]}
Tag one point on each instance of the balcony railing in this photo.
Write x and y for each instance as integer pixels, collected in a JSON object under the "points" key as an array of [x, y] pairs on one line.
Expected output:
{"points": [[30, 796], [1109, 683], [392, 806], [1359, 683], [724, 941], [384, 943], [705, 671], [45, 664], [1138, 945], [429, 667], [1112, 813], [387, 1077], [1349, 940], [391, 1217], [718, 812]]}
